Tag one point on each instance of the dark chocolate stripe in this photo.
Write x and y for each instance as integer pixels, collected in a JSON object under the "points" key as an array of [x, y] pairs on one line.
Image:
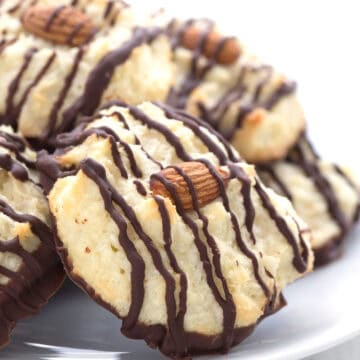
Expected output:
{"points": [[178, 97], [13, 87], [75, 138], [108, 8], [23, 278], [140, 188], [17, 109], [285, 89], [248, 206], [353, 186], [17, 170], [100, 77], [270, 171], [152, 124], [38, 227], [62, 95], [8, 141], [97, 174], [193, 124], [203, 254], [179, 321], [214, 114], [15, 7], [305, 250], [299, 262], [18, 281], [77, 28], [154, 253], [12, 142], [57, 11], [227, 304], [239, 174], [122, 119], [312, 170], [114, 17], [5, 43], [15, 247]]}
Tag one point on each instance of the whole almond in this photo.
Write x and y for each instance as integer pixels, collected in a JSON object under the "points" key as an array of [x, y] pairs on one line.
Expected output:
{"points": [[206, 186], [59, 24], [224, 50]]}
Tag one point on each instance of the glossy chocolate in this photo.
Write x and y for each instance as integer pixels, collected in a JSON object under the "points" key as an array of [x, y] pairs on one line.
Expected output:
{"points": [[41, 272], [304, 156], [173, 340], [199, 69]]}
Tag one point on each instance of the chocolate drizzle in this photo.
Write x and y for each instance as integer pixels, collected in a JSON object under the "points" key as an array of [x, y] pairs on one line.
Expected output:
{"points": [[40, 272], [299, 262], [97, 173], [62, 119], [57, 11], [13, 111], [17, 170], [312, 170], [307, 160], [62, 95], [227, 305], [178, 97], [239, 93], [172, 339], [100, 76]]}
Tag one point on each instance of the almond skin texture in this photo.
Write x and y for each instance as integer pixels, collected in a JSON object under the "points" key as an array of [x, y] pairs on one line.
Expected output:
{"points": [[224, 50], [63, 25], [206, 186]]}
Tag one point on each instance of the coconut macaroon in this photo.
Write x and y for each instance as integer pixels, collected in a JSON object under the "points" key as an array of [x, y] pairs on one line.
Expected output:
{"points": [[59, 60], [325, 195], [251, 104], [30, 270], [159, 221]]}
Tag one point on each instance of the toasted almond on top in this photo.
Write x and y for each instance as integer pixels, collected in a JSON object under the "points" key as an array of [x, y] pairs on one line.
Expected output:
{"points": [[59, 24], [224, 50], [205, 185]]}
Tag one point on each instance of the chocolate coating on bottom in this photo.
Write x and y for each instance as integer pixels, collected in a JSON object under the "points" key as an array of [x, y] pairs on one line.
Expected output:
{"points": [[197, 344], [35, 296], [329, 252]]}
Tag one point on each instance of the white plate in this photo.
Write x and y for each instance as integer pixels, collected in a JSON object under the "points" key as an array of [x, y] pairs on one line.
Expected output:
{"points": [[323, 311]]}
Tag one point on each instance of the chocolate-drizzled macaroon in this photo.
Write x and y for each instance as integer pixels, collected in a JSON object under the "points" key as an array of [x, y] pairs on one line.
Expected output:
{"points": [[251, 104], [325, 195], [30, 270], [160, 222], [59, 60]]}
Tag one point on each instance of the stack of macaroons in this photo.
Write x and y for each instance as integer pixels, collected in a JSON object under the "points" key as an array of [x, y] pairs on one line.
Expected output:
{"points": [[155, 214], [159, 220], [30, 270], [256, 109], [59, 61], [217, 79]]}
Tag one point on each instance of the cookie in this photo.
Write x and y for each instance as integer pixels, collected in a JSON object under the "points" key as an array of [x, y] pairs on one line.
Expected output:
{"points": [[160, 222], [325, 195], [59, 61], [30, 270], [250, 103]]}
